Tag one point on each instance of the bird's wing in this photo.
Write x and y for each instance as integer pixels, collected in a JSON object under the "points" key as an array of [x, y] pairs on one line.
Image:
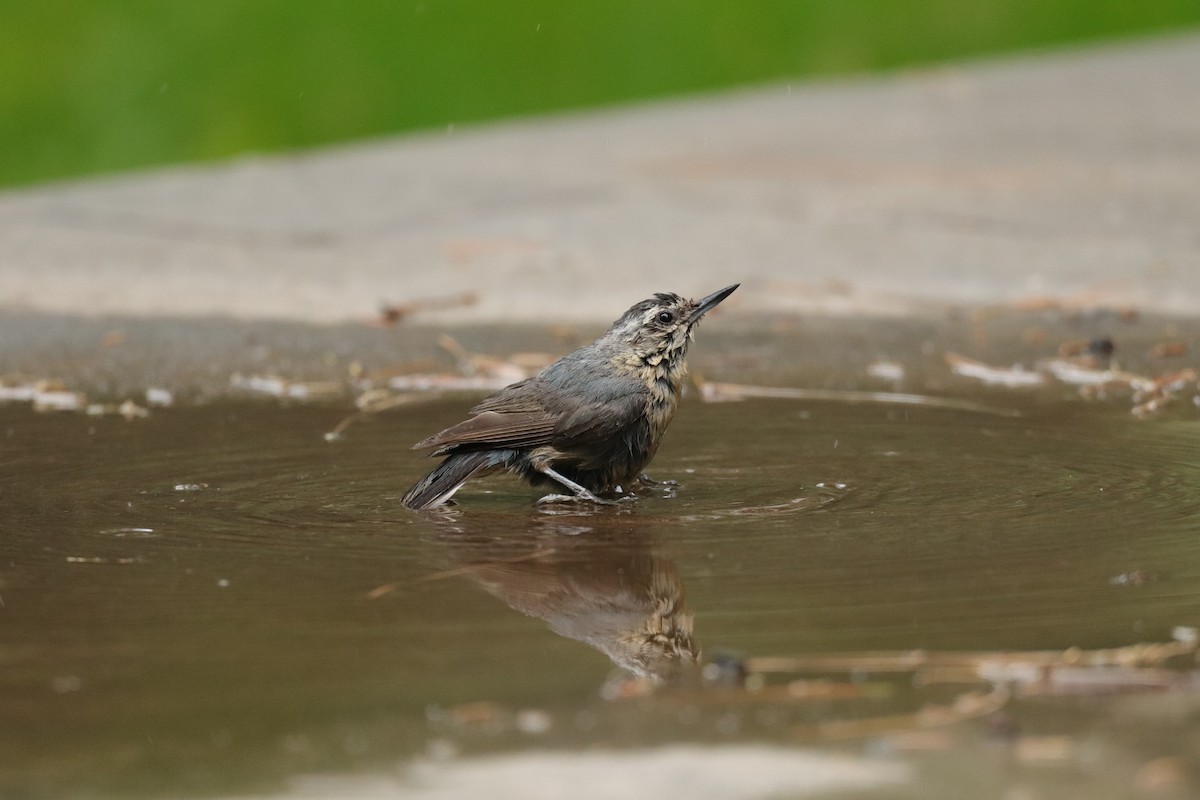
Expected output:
{"points": [[512, 417], [597, 422], [533, 413], [493, 429], [521, 397]]}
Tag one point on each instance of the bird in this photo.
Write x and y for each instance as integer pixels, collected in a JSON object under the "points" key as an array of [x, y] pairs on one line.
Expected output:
{"points": [[587, 424]]}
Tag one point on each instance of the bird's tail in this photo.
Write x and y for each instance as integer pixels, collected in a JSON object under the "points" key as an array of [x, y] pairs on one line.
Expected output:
{"points": [[445, 479]]}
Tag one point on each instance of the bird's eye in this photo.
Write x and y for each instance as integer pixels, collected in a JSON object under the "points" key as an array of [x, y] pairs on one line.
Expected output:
{"points": [[666, 317]]}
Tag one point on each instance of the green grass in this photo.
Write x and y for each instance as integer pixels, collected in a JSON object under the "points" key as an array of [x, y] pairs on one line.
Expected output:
{"points": [[89, 87]]}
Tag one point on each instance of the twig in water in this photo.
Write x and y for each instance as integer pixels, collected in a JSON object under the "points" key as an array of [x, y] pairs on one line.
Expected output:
{"points": [[731, 392]]}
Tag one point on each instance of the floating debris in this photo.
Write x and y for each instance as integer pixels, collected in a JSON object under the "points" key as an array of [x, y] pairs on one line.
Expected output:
{"points": [[887, 370], [128, 409], [260, 384], [17, 394], [533, 721], [1090, 369], [1015, 376], [732, 392], [990, 681], [1074, 373], [131, 410], [1186, 634], [1137, 577], [1042, 672], [1162, 390], [448, 383], [276, 386], [157, 396], [51, 395], [371, 402], [58, 400], [45, 394], [137, 533], [380, 591], [313, 390], [730, 688], [101, 560]]}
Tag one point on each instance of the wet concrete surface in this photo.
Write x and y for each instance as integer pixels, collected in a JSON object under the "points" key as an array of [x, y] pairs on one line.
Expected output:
{"points": [[1069, 175], [114, 358]]}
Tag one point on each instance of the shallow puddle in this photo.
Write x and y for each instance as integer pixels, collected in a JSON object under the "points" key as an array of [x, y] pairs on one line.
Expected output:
{"points": [[215, 600]]}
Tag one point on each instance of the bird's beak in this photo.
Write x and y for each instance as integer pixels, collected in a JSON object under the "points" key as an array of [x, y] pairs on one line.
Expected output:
{"points": [[712, 301]]}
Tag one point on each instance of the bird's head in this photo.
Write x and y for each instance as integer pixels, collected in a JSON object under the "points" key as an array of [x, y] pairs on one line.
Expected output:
{"points": [[659, 329]]}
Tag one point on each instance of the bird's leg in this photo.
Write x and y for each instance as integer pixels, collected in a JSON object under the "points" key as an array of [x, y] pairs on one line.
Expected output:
{"points": [[580, 492]]}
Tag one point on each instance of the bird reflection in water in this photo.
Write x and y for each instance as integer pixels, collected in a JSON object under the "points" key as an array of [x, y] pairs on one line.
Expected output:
{"points": [[597, 579]]}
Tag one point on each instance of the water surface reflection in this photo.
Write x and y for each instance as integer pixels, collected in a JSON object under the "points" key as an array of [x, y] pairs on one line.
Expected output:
{"points": [[596, 578]]}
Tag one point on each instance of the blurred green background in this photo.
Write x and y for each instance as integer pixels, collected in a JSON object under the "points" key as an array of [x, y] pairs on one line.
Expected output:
{"points": [[88, 87]]}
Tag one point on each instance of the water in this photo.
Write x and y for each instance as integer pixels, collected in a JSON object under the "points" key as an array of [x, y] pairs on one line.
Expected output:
{"points": [[216, 601]]}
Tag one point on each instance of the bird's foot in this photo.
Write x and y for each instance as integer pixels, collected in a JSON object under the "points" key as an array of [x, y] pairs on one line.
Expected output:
{"points": [[582, 493], [667, 487], [556, 499]]}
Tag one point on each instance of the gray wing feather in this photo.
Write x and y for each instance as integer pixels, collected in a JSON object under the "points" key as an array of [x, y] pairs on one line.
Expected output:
{"points": [[544, 410], [492, 429]]}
